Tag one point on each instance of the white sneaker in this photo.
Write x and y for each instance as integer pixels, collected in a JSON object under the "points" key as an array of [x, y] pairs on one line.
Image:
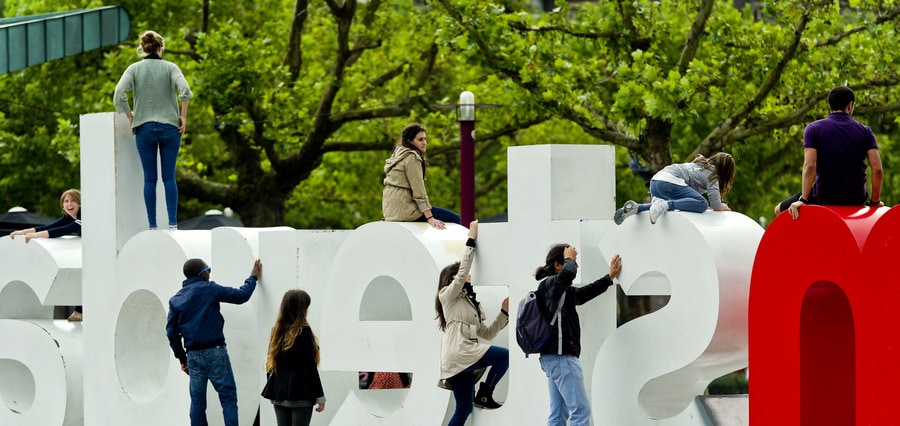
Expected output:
{"points": [[657, 209], [629, 209]]}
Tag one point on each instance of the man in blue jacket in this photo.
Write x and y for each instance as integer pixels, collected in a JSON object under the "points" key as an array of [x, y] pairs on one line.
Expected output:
{"points": [[194, 317]]}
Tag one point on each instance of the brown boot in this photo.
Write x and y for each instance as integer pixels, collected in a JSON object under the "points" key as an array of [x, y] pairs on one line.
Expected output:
{"points": [[485, 398]]}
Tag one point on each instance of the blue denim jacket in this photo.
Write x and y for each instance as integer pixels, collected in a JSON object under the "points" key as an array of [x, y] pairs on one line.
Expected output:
{"points": [[194, 314]]}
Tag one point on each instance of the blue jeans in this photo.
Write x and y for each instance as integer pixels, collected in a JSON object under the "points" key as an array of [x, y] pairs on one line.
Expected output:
{"points": [[568, 398], [442, 215], [214, 366], [151, 138], [679, 197], [463, 384]]}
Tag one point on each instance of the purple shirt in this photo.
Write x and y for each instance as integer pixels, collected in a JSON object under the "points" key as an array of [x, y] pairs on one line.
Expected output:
{"points": [[842, 145]]}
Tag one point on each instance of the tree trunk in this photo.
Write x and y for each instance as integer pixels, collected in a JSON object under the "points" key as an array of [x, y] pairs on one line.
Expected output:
{"points": [[658, 147], [261, 203]]}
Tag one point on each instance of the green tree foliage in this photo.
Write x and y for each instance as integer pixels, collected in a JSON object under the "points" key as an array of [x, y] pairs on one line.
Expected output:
{"points": [[280, 86], [666, 80], [298, 102]]}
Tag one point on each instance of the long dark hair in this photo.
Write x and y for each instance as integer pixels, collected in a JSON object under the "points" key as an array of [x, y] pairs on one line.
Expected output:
{"points": [[290, 323], [444, 280], [407, 136], [723, 170], [554, 256]]}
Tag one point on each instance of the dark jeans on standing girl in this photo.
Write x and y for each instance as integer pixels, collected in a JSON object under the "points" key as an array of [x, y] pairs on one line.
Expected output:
{"points": [[152, 138], [296, 416]]}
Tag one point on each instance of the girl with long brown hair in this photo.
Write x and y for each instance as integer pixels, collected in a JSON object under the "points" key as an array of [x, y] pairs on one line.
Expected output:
{"points": [[293, 384], [680, 187], [404, 198], [462, 320]]}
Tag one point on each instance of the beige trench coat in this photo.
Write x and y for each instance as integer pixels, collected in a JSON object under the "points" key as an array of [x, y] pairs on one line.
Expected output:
{"points": [[460, 347], [404, 198]]}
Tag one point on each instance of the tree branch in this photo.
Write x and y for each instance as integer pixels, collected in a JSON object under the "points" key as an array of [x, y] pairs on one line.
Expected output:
{"points": [[602, 134], [197, 187], [798, 116], [358, 146], [801, 114], [489, 186], [482, 141], [310, 154], [626, 12], [258, 116], [565, 30], [497, 134], [489, 54], [877, 110], [293, 57], [835, 39], [366, 114], [713, 141], [618, 133], [377, 83], [430, 57], [693, 38]]}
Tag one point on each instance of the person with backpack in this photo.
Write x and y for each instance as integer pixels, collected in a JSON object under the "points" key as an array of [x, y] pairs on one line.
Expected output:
{"points": [[559, 359], [462, 321]]}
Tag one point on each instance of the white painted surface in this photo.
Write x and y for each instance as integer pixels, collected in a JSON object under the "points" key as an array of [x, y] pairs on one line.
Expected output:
{"points": [[647, 372]]}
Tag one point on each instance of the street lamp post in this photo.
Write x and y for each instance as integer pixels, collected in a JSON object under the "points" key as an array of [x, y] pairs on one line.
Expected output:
{"points": [[467, 157], [465, 113]]}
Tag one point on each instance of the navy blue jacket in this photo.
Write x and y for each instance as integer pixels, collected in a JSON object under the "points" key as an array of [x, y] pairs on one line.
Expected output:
{"points": [[551, 289], [194, 314], [65, 225]]}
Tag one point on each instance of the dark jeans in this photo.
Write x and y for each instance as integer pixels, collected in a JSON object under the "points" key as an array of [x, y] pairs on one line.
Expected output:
{"points": [[682, 198], [442, 215], [287, 416], [678, 197], [464, 383], [212, 365], [152, 138]]}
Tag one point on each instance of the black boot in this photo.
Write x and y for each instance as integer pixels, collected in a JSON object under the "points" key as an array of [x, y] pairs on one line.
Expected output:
{"points": [[485, 398]]}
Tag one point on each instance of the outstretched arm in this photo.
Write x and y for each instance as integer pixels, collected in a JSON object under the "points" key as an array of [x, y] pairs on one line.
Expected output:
{"points": [[810, 157], [585, 293], [21, 232], [877, 176], [241, 295], [452, 290]]}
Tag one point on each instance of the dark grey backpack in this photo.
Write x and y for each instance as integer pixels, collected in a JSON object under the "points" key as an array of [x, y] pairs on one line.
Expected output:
{"points": [[533, 332]]}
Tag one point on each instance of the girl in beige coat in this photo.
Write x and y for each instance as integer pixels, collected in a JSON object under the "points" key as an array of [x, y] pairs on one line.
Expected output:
{"points": [[462, 321], [404, 198]]}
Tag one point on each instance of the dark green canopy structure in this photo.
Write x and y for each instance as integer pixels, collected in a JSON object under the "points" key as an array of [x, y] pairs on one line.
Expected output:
{"points": [[35, 39]]}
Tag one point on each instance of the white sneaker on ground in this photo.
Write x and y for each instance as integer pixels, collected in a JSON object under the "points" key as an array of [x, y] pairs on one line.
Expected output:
{"points": [[629, 209], [657, 209]]}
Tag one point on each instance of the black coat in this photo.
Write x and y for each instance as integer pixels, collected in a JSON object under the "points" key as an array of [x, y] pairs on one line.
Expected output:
{"points": [[296, 376], [551, 289]]}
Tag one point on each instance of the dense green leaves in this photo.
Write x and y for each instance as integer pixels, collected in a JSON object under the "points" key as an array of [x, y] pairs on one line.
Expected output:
{"points": [[294, 130], [668, 80]]}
